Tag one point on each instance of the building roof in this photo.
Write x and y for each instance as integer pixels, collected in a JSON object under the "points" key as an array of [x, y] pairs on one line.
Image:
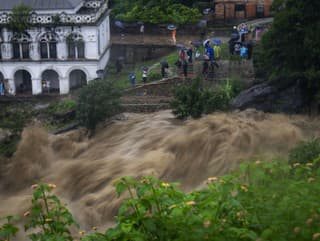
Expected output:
{"points": [[40, 4]]}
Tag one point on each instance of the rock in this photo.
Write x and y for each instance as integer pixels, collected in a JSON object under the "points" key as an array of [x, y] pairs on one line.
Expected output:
{"points": [[269, 98]]}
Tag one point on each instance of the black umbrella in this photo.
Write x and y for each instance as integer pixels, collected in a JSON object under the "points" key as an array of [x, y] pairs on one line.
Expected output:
{"points": [[164, 63], [144, 68], [140, 23]]}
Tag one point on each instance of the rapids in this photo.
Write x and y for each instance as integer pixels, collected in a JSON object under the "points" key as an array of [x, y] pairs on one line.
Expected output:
{"points": [[142, 144]]}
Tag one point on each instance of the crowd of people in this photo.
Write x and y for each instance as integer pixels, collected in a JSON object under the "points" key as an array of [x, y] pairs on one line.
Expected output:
{"points": [[239, 45]]}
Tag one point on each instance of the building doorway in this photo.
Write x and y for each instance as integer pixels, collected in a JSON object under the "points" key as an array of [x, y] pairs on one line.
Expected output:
{"points": [[22, 82], [77, 79], [50, 82]]}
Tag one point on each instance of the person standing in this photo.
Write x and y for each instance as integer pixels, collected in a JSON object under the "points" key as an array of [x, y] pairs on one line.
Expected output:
{"points": [[1, 88], [142, 32], [185, 68], [144, 75], [132, 78], [189, 54], [173, 33], [217, 50]]}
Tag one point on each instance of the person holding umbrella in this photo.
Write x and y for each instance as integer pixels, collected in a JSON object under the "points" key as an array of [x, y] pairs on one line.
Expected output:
{"points": [[173, 30]]}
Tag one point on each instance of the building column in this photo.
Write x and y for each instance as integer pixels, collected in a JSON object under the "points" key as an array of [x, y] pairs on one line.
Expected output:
{"points": [[35, 51], [6, 48], [62, 52], [64, 85], [11, 87], [36, 86]]}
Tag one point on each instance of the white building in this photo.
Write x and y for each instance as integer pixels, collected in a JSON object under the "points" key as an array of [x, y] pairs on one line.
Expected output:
{"points": [[69, 41]]}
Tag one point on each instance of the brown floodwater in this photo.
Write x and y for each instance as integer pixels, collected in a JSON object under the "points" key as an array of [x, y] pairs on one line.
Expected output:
{"points": [[156, 144]]}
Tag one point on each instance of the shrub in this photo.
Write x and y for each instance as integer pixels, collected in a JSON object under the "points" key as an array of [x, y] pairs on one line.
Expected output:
{"points": [[188, 100], [154, 76], [305, 152], [99, 100], [194, 101], [48, 216], [8, 229], [62, 106]]}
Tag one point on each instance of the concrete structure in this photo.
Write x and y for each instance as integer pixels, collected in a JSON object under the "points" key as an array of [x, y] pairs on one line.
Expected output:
{"points": [[69, 41], [241, 9]]}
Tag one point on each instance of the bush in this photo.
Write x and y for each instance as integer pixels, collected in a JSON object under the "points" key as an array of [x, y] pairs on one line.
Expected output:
{"points": [[305, 152], [194, 101], [154, 76], [99, 100], [62, 106], [188, 100]]}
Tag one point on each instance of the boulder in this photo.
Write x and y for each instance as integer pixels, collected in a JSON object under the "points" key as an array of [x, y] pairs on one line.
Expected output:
{"points": [[270, 98]]}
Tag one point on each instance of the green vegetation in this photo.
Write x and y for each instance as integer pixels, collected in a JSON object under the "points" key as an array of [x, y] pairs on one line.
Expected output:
{"points": [[305, 152], [194, 100], [8, 230], [20, 18], [290, 49], [61, 107], [12, 120], [97, 101], [261, 201], [164, 11]]}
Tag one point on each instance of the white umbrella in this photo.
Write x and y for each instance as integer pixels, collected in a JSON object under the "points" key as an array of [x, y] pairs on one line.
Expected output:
{"points": [[207, 41]]}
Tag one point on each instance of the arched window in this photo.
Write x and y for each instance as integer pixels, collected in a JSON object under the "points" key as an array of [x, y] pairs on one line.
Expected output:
{"points": [[20, 46], [48, 46], [75, 46]]}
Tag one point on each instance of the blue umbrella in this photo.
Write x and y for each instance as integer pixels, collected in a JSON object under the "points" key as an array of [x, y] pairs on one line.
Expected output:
{"points": [[119, 24], [243, 31], [216, 41], [172, 27]]}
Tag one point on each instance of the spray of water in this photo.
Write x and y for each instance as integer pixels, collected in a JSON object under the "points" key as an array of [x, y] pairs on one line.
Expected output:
{"points": [[155, 144]]}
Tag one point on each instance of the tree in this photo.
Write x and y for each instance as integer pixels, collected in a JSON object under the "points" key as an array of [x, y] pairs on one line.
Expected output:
{"points": [[99, 100], [156, 11], [291, 47], [20, 18]]}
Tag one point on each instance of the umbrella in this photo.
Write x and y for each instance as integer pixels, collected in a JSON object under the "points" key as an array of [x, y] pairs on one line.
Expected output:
{"points": [[243, 31], [140, 23], [216, 41], [196, 43], [207, 41], [172, 27], [202, 23], [119, 24], [144, 68], [120, 58], [206, 11]]}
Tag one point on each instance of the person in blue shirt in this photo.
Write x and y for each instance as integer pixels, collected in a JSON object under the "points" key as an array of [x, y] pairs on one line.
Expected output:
{"points": [[209, 52], [132, 77], [243, 52]]}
